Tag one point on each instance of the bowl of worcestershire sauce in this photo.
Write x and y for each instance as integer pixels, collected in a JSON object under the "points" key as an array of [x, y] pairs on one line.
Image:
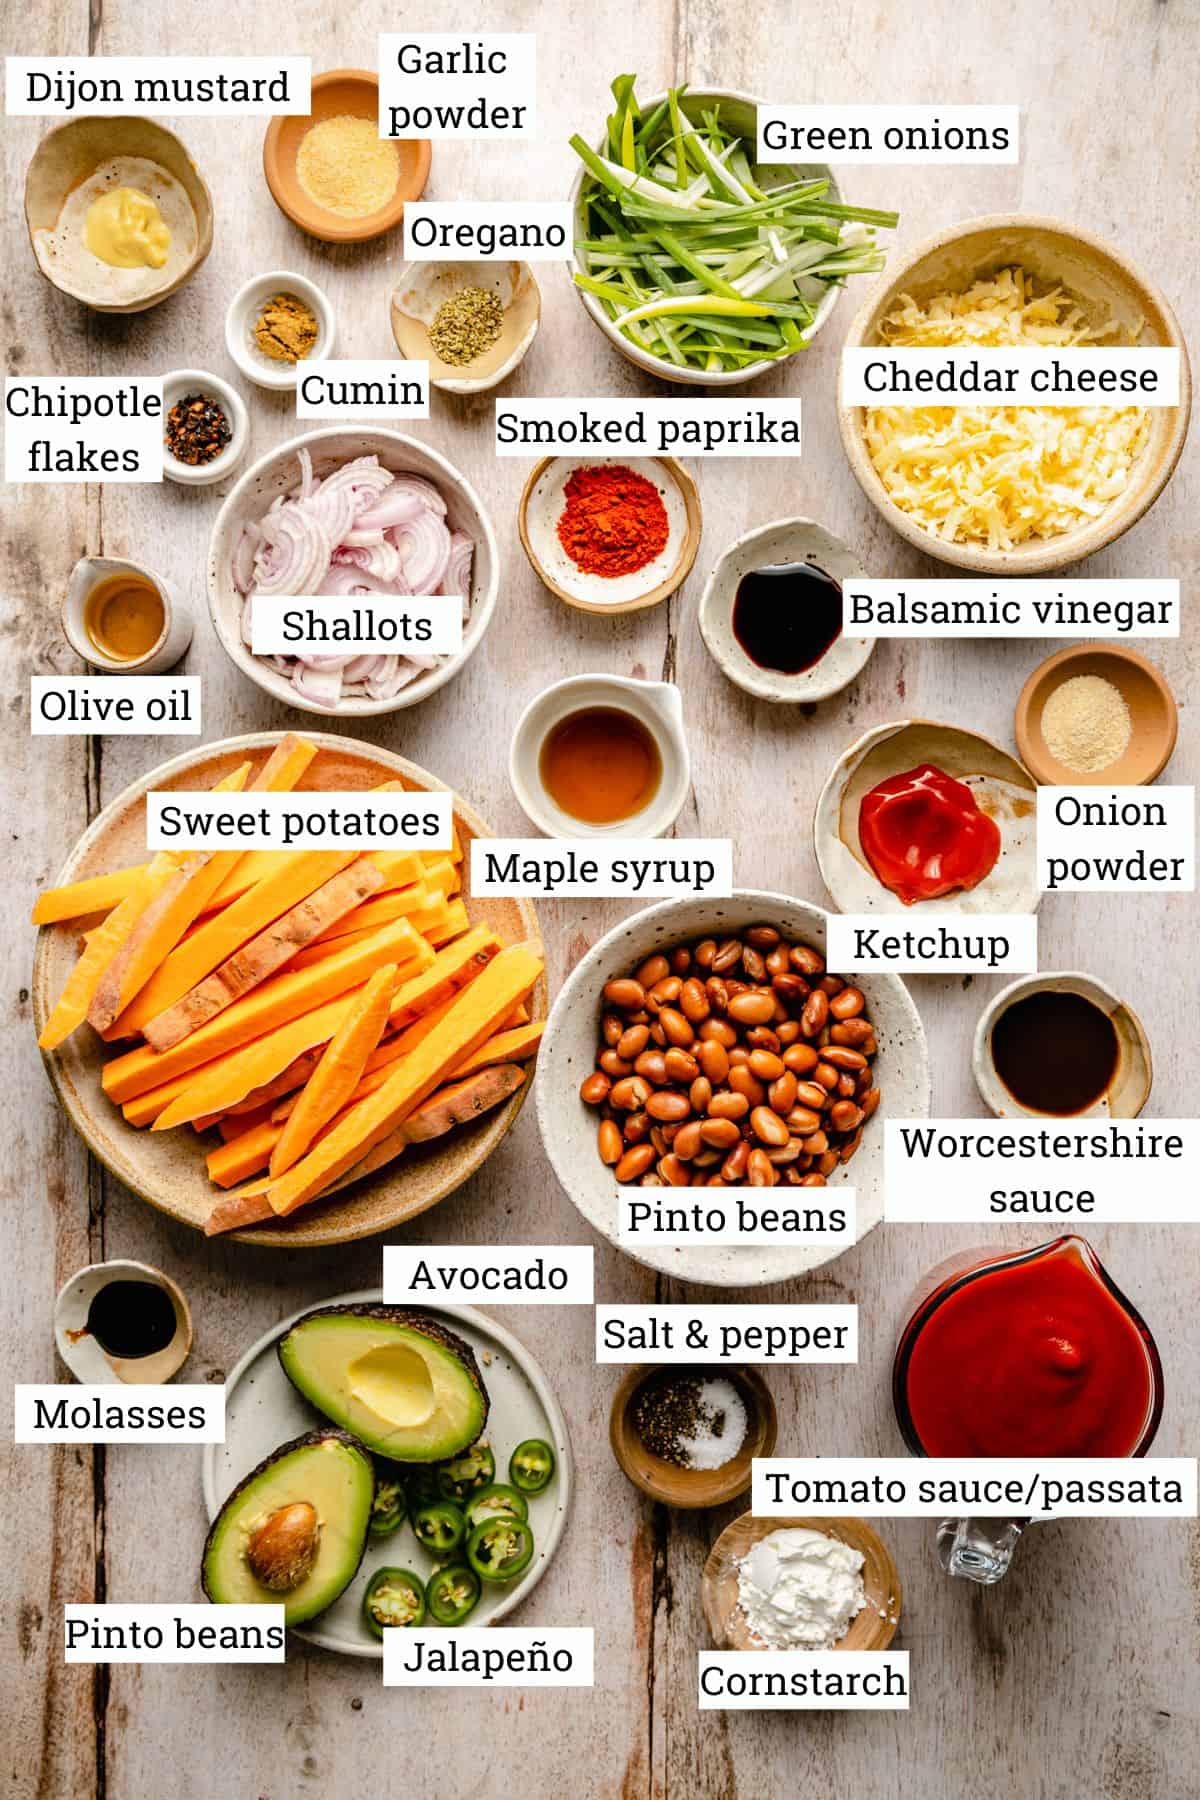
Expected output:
{"points": [[773, 612], [1062, 1045], [602, 756]]}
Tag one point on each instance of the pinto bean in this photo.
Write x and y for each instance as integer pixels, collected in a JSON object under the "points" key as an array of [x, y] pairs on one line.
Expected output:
{"points": [[609, 1140], [625, 994], [752, 1008], [594, 1089]]}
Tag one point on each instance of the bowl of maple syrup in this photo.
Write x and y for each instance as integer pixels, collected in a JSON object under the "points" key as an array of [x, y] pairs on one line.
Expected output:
{"points": [[602, 755], [773, 613]]}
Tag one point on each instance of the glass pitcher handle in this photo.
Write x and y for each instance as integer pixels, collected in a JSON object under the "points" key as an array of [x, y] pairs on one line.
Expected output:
{"points": [[978, 1549]]}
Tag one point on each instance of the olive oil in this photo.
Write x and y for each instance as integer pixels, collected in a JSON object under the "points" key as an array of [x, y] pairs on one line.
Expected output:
{"points": [[123, 616]]}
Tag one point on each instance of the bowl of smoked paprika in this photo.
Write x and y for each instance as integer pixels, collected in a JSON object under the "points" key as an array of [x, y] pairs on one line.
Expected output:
{"points": [[609, 535]]}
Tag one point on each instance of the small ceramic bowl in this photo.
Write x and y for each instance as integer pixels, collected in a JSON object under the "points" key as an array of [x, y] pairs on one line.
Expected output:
{"points": [[279, 471], [72, 151], [243, 312], [871, 1629], [568, 1054], [541, 507], [423, 287], [178, 384], [334, 95], [739, 112], [782, 541], [692, 1488], [84, 1356], [1129, 1089], [173, 641], [1002, 789], [1110, 289], [1151, 710], [659, 707]]}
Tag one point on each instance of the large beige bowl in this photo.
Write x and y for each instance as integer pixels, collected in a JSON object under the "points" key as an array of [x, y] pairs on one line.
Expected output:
{"points": [[1110, 289], [167, 1167], [68, 154]]}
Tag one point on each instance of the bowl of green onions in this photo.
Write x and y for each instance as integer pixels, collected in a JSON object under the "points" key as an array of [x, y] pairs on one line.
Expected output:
{"points": [[701, 264]]}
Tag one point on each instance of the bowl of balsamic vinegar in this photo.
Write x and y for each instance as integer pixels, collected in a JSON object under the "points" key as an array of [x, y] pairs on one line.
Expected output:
{"points": [[773, 613], [122, 1321]]}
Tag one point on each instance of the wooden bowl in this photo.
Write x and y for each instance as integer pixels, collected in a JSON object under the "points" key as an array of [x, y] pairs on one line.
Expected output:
{"points": [[422, 287], [537, 517], [167, 1167], [1110, 288], [339, 91], [692, 1488], [68, 155], [1151, 709], [871, 1629]]}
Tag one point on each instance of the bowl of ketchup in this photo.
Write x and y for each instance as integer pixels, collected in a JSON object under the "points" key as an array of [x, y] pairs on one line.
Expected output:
{"points": [[1023, 1353]]}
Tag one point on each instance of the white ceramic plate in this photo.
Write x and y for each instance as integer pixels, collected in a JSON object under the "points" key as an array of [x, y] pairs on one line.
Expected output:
{"points": [[264, 1410], [279, 471], [782, 541], [1003, 788], [568, 1053]]}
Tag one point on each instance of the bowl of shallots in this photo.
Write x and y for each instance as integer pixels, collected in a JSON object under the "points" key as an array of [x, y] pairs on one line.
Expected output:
{"points": [[370, 518]]}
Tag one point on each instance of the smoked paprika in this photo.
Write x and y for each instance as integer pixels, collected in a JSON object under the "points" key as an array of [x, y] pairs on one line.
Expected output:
{"points": [[614, 521]]}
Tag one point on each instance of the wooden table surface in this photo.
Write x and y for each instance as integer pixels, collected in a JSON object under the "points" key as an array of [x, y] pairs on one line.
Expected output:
{"points": [[1077, 1677]]}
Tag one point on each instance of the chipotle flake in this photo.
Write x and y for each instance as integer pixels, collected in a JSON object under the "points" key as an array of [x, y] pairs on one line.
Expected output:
{"points": [[197, 429]]}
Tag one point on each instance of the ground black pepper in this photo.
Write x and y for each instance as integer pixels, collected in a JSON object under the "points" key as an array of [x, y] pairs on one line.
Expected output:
{"points": [[668, 1410], [197, 429]]}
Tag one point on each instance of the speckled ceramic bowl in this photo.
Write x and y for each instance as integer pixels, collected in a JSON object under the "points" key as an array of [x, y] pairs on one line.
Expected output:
{"points": [[166, 1168], [568, 1053]]}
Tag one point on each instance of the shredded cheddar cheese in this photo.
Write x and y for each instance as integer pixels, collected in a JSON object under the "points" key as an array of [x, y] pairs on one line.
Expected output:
{"points": [[999, 475]]}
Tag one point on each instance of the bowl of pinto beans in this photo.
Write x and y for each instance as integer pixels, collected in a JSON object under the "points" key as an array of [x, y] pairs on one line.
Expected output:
{"points": [[704, 1043]]}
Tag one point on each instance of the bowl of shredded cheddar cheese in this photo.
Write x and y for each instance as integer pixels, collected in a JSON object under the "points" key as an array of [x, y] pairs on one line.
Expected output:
{"points": [[995, 486]]}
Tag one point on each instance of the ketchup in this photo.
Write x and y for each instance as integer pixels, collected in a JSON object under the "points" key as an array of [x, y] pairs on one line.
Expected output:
{"points": [[924, 835], [1034, 1355]]}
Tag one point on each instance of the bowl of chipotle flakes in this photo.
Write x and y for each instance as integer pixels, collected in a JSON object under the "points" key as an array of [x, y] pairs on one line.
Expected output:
{"points": [[609, 535]]}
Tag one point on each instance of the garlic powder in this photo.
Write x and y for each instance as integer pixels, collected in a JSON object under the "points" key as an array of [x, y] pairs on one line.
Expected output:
{"points": [[799, 1590]]}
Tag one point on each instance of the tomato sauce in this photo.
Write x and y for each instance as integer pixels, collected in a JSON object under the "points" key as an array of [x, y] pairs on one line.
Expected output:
{"points": [[924, 835], [1037, 1355]]}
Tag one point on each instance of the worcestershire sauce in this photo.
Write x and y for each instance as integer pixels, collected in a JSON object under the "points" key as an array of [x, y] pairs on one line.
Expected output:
{"points": [[131, 1318], [1055, 1053], [786, 616]]}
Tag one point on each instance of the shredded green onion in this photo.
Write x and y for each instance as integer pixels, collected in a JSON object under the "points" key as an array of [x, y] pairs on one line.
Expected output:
{"points": [[692, 256]]}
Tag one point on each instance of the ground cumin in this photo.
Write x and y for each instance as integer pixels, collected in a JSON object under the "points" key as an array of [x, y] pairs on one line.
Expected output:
{"points": [[285, 328]]}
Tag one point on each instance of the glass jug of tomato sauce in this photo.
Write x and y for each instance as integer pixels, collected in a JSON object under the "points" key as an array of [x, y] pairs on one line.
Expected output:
{"points": [[1012, 1353]]}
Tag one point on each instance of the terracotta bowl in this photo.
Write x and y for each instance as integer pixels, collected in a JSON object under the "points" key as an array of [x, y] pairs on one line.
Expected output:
{"points": [[1110, 288], [692, 1488], [68, 155], [1151, 709], [871, 1629], [167, 1168], [339, 91]]}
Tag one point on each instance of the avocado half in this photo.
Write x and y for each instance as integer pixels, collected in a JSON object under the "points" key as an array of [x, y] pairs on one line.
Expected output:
{"points": [[407, 1387], [325, 1470]]}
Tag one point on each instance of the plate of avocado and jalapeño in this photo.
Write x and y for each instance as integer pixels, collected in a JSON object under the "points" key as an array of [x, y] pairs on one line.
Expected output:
{"points": [[383, 1466]]}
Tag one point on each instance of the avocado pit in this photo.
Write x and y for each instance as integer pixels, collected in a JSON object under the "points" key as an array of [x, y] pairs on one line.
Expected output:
{"points": [[282, 1550]]}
